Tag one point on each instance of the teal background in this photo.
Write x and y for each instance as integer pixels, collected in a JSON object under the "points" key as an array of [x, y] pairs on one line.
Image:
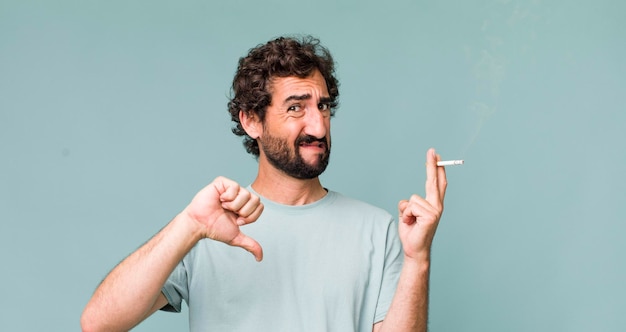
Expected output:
{"points": [[113, 115]]}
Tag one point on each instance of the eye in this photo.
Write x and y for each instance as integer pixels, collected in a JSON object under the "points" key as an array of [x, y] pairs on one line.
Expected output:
{"points": [[295, 110], [325, 108]]}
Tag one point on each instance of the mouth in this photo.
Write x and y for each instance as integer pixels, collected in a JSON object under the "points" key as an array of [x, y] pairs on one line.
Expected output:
{"points": [[312, 144], [316, 144]]}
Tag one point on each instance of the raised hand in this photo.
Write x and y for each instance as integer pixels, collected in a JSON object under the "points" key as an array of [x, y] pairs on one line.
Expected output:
{"points": [[221, 208], [419, 216]]}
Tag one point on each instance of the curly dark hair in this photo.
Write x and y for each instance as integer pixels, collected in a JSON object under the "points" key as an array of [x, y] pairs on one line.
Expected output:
{"points": [[281, 57]]}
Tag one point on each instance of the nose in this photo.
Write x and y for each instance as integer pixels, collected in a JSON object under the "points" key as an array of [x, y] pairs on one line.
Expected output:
{"points": [[316, 124]]}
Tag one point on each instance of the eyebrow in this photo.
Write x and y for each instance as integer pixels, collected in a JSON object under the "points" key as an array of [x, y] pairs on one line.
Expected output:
{"points": [[326, 100], [305, 97], [297, 97]]}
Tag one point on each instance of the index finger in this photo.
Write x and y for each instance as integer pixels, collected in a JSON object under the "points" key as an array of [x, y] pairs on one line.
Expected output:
{"points": [[433, 194]]}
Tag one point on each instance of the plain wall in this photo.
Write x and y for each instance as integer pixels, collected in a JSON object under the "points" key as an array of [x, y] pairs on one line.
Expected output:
{"points": [[113, 115]]}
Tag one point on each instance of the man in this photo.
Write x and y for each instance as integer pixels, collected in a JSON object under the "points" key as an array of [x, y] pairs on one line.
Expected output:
{"points": [[326, 262]]}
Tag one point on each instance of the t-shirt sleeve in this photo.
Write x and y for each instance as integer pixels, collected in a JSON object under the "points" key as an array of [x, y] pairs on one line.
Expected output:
{"points": [[175, 289], [391, 271]]}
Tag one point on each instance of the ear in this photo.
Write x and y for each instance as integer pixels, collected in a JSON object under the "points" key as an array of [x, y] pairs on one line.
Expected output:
{"points": [[251, 124]]}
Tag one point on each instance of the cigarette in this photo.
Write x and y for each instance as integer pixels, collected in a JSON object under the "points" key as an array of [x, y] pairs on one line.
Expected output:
{"points": [[450, 162]]}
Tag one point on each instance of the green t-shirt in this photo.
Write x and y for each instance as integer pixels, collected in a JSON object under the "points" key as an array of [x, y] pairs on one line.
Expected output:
{"points": [[332, 265]]}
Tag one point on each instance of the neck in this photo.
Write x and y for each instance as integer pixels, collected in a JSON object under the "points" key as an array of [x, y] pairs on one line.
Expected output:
{"points": [[279, 187]]}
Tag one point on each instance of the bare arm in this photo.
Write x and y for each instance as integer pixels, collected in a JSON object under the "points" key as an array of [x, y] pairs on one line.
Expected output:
{"points": [[419, 218], [132, 290]]}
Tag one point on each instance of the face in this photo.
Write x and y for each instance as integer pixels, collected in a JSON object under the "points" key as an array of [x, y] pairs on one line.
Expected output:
{"points": [[296, 132]]}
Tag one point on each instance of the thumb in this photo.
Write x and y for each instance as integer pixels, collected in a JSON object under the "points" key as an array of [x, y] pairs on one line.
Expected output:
{"points": [[249, 244], [404, 215], [402, 205]]}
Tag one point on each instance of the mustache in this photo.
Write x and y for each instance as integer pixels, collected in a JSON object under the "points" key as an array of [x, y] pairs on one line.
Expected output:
{"points": [[308, 139]]}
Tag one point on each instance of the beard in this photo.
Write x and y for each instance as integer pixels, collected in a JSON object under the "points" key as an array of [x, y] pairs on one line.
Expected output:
{"points": [[290, 161]]}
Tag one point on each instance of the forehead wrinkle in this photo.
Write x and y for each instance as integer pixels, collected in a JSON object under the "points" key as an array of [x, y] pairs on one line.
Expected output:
{"points": [[308, 87]]}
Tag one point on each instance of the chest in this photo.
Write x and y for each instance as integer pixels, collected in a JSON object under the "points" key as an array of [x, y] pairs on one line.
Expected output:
{"points": [[329, 260]]}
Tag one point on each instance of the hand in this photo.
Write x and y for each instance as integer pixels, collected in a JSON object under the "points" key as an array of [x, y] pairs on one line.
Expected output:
{"points": [[419, 217], [220, 208]]}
